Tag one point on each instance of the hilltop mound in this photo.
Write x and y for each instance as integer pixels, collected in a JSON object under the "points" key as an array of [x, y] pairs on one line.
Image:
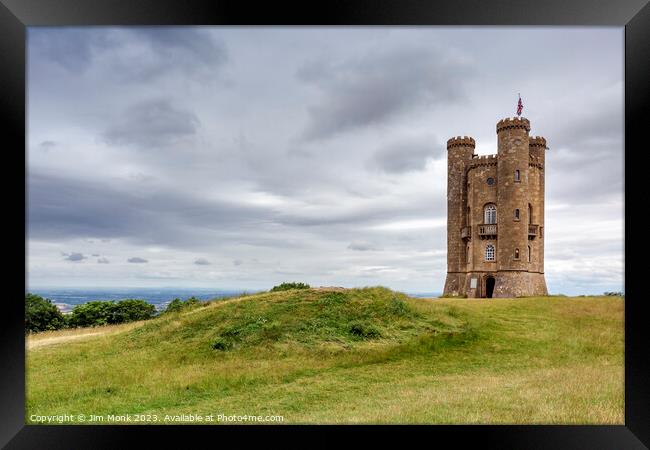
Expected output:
{"points": [[343, 356], [307, 318]]}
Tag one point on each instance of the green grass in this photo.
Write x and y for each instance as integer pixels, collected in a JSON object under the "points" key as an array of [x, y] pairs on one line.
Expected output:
{"points": [[355, 356]]}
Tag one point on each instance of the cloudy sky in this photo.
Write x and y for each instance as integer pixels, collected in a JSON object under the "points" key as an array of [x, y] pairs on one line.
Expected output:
{"points": [[240, 158]]}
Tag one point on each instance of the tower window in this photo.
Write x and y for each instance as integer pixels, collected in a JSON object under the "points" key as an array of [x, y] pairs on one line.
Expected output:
{"points": [[467, 254], [517, 176], [529, 255], [490, 181], [530, 213], [517, 214], [490, 214], [516, 253], [489, 252]]}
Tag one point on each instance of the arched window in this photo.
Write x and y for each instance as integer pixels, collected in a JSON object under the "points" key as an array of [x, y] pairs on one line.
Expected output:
{"points": [[490, 214], [517, 176], [516, 253], [529, 254], [530, 213], [517, 214], [489, 252]]}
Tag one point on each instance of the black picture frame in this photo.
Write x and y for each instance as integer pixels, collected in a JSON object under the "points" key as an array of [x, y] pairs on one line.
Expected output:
{"points": [[16, 15]]}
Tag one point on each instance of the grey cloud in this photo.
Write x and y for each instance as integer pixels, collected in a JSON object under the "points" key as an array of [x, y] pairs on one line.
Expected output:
{"points": [[71, 48], [407, 156], [184, 44], [152, 124], [169, 49], [95, 254], [237, 262], [374, 87], [75, 257], [373, 213], [47, 145], [363, 246], [191, 51], [137, 259], [103, 261], [202, 262], [69, 208]]}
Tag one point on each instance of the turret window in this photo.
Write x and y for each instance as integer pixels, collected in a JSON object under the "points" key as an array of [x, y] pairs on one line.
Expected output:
{"points": [[517, 176], [517, 214], [489, 252], [517, 253], [490, 214], [529, 255]]}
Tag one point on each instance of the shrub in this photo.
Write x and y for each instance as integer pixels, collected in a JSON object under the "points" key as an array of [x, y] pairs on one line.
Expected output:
{"points": [[41, 314], [222, 344], [130, 310], [287, 286], [177, 304], [363, 330], [399, 307], [96, 313], [92, 314], [614, 294], [174, 306]]}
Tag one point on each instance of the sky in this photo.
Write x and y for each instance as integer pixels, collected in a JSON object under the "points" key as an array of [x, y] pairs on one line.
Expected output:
{"points": [[240, 158]]}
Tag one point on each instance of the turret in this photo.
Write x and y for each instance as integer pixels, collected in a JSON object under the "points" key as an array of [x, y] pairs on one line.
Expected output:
{"points": [[536, 195], [512, 193], [537, 146], [460, 150]]}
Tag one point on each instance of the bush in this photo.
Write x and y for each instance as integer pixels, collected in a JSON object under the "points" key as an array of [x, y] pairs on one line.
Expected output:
{"points": [[41, 314], [177, 304], [399, 307], [131, 310], [287, 286], [174, 306], [222, 344], [614, 294], [363, 330], [91, 314], [97, 313]]}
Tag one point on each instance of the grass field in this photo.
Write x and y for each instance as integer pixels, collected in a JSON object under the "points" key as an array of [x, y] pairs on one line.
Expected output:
{"points": [[354, 356]]}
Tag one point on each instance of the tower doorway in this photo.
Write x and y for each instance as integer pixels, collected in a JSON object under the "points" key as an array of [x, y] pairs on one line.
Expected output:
{"points": [[489, 287]]}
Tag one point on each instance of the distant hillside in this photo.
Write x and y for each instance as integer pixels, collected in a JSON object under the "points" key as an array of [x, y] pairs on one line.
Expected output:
{"points": [[345, 355]]}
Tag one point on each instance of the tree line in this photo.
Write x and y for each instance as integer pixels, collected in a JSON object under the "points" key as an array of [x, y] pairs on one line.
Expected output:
{"points": [[42, 315]]}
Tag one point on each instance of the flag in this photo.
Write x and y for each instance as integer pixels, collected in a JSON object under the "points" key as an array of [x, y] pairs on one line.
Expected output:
{"points": [[520, 106]]}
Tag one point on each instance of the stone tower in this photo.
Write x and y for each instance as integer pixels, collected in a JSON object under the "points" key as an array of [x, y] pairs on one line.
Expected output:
{"points": [[495, 215]]}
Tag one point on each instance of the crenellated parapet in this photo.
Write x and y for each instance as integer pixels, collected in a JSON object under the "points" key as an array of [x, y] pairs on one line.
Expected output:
{"points": [[537, 141], [483, 160], [513, 123], [461, 141]]}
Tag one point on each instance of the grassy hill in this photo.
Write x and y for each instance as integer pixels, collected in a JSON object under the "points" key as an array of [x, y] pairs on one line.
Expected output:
{"points": [[345, 356]]}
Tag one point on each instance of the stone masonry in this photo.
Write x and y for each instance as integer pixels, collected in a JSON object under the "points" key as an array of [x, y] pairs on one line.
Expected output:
{"points": [[495, 215]]}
